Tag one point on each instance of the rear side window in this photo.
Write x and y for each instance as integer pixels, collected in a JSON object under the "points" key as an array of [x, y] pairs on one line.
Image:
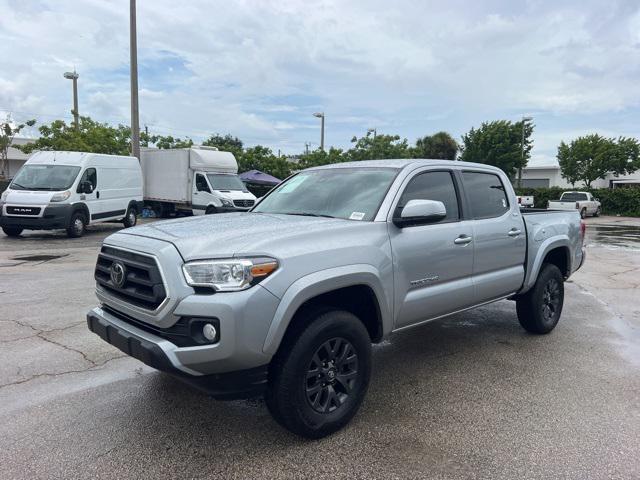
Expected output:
{"points": [[486, 194], [433, 186]]}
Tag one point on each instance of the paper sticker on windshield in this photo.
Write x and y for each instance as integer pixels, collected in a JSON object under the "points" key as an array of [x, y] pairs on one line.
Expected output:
{"points": [[357, 216], [294, 183]]}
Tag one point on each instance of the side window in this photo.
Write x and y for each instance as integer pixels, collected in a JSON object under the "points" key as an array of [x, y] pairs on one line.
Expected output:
{"points": [[486, 194], [90, 175], [433, 186], [201, 183]]}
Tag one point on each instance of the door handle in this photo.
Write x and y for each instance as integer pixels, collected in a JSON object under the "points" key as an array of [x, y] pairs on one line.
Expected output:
{"points": [[514, 232], [463, 240]]}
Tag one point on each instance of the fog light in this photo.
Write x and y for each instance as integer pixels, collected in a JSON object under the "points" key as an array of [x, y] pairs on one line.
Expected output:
{"points": [[209, 332]]}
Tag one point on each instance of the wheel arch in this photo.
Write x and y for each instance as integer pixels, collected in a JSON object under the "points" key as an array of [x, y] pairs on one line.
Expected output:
{"points": [[355, 288], [80, 207], [554, 250]]}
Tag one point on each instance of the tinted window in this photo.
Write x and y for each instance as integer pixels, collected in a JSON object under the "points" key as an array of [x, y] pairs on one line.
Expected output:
{"points": [[201, 184], [573, 196], [486, 194], [90, 176], [433, 186]]}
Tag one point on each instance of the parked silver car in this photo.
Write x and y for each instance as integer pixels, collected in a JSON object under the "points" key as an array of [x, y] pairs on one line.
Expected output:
{"points": [[287, 299]]}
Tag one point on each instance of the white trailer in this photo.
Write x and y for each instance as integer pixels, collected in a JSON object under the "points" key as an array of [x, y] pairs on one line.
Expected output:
{"points": [[200, 180]]}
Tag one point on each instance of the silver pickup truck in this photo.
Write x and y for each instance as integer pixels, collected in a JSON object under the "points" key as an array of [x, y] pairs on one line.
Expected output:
{"points": [[285, 300]]}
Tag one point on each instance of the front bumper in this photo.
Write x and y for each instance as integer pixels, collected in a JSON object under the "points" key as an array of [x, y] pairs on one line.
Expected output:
{"points": [[162, 355], [53, 217]]}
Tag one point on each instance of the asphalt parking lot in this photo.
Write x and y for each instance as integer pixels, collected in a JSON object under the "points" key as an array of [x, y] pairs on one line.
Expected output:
{"points": [[470, 396]]}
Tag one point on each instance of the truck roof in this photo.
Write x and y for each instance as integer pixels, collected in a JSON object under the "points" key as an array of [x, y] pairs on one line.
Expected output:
{"points": [[401, 163]]}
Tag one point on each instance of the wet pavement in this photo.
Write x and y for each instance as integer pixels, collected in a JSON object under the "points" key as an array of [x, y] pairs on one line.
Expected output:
{"points": [[470, 396]]}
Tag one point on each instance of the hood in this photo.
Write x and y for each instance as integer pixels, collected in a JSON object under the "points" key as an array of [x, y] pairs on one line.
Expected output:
{"points": [[235, 194], [29, 197], [227, 234]]}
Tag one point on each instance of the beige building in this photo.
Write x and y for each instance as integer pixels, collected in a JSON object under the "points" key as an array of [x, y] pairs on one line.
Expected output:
{"points": [[15, 157], [549, 176]]}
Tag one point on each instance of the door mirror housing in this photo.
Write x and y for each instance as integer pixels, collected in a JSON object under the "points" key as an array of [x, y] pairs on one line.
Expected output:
{"points": [[86, 187], [420, 212]]}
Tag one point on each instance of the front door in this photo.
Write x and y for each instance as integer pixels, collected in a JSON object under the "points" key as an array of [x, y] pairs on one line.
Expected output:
{"points": [[201, 196], [92, 199], [499, 237], [434, 262]]}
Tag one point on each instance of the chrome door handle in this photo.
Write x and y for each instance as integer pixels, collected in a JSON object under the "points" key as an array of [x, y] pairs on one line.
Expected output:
{"points": [[514, 232], [463, 240]]}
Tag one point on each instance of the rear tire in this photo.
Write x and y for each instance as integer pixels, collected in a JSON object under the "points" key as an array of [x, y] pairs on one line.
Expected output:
{"points": [[12, 231], [319, 377], [598, 212], [583, 213], [540, 308], [131, 218], [77, 225]]}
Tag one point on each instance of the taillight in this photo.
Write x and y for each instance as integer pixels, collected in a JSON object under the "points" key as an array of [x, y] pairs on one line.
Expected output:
{"points": [[519, 199]]}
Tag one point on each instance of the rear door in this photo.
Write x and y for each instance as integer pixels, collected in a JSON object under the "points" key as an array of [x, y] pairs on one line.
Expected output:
{"points": [[432, 263], [499, 238]]}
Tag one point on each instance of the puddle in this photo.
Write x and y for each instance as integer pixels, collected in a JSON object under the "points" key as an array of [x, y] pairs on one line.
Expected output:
{"points": [[38, 258], [626, 236]]}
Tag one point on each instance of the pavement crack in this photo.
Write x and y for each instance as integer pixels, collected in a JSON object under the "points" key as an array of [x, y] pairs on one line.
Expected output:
{"points": [[67, 347]]}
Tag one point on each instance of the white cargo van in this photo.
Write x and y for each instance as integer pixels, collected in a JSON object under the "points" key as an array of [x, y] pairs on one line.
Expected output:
{"points": [[70, 190], [198, 180]]}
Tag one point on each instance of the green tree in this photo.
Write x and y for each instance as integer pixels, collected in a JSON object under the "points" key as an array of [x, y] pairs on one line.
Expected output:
{"points": [[91, 136], [167, 142], [226, 143], [440, 145], [321, 157], [592, 157], [377, 146], [262, 158], [8, 131], [498, 143]]}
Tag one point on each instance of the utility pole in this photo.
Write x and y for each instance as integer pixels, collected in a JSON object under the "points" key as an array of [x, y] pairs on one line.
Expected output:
{"points": [[146, 136], [306, 147], [320, 115], [74, 77], [133, 50], [524, 120]]}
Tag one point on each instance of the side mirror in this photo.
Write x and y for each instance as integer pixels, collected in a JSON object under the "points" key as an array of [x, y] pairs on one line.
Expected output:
{"points": [[420, 212], [86, 187]]}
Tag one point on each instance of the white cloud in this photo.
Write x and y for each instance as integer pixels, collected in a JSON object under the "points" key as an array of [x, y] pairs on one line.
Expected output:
{"points": [[259, 69]]}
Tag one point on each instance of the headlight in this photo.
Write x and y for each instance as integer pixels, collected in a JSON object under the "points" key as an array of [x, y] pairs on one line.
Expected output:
{"points": [[228, 275], [226, 203], [61, 196]]}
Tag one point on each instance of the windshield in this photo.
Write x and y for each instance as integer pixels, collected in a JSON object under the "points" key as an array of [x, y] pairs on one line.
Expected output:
{"points": [[350, 193], [573, 196], [225, 182], [45, 177]]}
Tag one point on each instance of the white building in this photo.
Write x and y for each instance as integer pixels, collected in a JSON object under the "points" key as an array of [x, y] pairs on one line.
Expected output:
{"points": [[15, 157], [549, 176]]}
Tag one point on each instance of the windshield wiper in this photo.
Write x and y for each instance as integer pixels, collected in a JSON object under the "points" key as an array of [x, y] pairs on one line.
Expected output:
{"points": [[14, 184], [309, 214]]}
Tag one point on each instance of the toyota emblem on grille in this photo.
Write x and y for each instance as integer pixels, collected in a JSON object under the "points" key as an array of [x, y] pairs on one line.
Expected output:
{"points": [[118, 274]]}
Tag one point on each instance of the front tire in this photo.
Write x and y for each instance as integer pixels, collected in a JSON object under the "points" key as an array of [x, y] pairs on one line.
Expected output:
{"points": [[210, 210], [131, 218], [12, 231], [320, 376], [598, 212], [540, 308], [77, 225]]}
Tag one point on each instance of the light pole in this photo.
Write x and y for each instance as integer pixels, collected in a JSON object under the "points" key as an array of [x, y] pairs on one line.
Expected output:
{"points": [[133, 50], [320, 115], [74, 77], [524, 119]]}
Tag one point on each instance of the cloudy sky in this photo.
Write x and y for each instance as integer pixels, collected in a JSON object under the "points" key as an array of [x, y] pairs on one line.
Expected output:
{"points": [[259, 69]]}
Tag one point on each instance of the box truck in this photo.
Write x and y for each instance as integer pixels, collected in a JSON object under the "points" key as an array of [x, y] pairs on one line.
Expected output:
{"points": [[199, 180]]}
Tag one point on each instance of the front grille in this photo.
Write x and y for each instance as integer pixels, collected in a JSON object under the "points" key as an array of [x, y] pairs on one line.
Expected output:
{"points": [[142, 283], [244, 203], [13, 210]]}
